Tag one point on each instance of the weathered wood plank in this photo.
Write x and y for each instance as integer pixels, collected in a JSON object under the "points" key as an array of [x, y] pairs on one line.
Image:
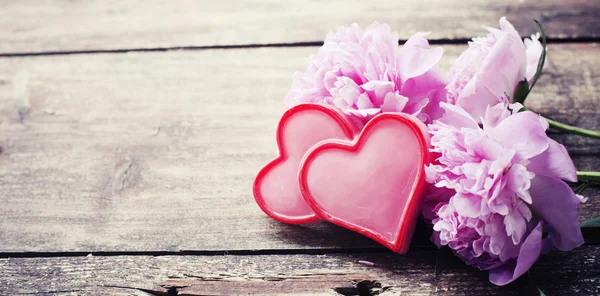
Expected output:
{"points": [[417, 273], [63, 25], [157, 151]]}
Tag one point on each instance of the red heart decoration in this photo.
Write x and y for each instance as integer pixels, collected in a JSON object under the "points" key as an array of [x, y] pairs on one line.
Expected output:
{"points": [[373, 185], [276, 188]]}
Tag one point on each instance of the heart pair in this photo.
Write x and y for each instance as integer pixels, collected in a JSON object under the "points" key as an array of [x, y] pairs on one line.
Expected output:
{"points": [[369, 181]]}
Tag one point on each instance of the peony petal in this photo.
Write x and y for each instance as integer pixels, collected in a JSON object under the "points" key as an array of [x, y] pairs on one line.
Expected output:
{"points": [[424, 85], [467, 205], [426, 91], [457, 117], [330, 78], [475, 98], [367, 113], [495, 114], [435, 199], [393, 102], [516, 226], [556, 204], [505, 64], [554, 162], [525, 211], [523, 132], [499, 204], [519, 181], [492, 150], [380, 89], [528, 254], [433, 108], [507, 27], [416, 57], [499, 72], [364, 102], [347, 90], [414, 107], [349, 59], [534, 49]]}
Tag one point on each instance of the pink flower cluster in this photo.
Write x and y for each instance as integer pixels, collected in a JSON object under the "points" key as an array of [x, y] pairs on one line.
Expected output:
{"points": [[502, 187], [362, 74], [497, 198]]}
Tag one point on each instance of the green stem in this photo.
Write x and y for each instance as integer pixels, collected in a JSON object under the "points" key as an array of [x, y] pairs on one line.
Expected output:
{"points": [[588, 176], [573, 129]]}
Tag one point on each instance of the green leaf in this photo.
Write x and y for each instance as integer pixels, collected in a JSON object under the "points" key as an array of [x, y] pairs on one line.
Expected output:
{"points": [[589, 176], [591, 223], [590, 229], [443, 260], [582, 187], [542, 60], [541, 293], [521, 91]]}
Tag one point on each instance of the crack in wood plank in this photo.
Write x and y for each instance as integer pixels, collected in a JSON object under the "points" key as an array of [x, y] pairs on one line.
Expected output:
{"points": [[52, 292], [351, 283], [167, 292]]}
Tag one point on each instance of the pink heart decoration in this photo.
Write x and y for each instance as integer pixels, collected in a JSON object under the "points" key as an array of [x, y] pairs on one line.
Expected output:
{"points": [[276, 188], [373, 185]]}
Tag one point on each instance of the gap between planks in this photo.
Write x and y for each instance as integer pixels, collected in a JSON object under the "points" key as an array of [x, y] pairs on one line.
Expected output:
{"points": [[314, 251], [458, 41]]}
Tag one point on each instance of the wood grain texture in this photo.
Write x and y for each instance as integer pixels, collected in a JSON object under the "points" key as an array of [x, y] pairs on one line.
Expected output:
{"points": [[158, 151], [64, 25], [417, 273]]}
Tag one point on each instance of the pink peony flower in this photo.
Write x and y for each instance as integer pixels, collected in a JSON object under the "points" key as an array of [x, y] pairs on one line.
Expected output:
{"points": [[491, 67], [361, 74], [498, 188]]}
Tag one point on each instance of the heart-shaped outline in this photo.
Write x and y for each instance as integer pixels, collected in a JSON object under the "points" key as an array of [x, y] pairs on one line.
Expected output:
{"points": [[348, 130], [411, 211]]}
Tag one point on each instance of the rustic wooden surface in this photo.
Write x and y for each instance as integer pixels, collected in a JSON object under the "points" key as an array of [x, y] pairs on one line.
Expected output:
{"points": [[132, 155], [145, 152]]}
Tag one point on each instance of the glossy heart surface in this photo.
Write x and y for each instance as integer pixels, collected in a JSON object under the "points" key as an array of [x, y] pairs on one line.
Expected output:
{"points": [[373, 185], [276, 188]]}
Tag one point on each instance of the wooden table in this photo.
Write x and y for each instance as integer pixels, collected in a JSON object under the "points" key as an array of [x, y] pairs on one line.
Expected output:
{"points": [[131, 132]]}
